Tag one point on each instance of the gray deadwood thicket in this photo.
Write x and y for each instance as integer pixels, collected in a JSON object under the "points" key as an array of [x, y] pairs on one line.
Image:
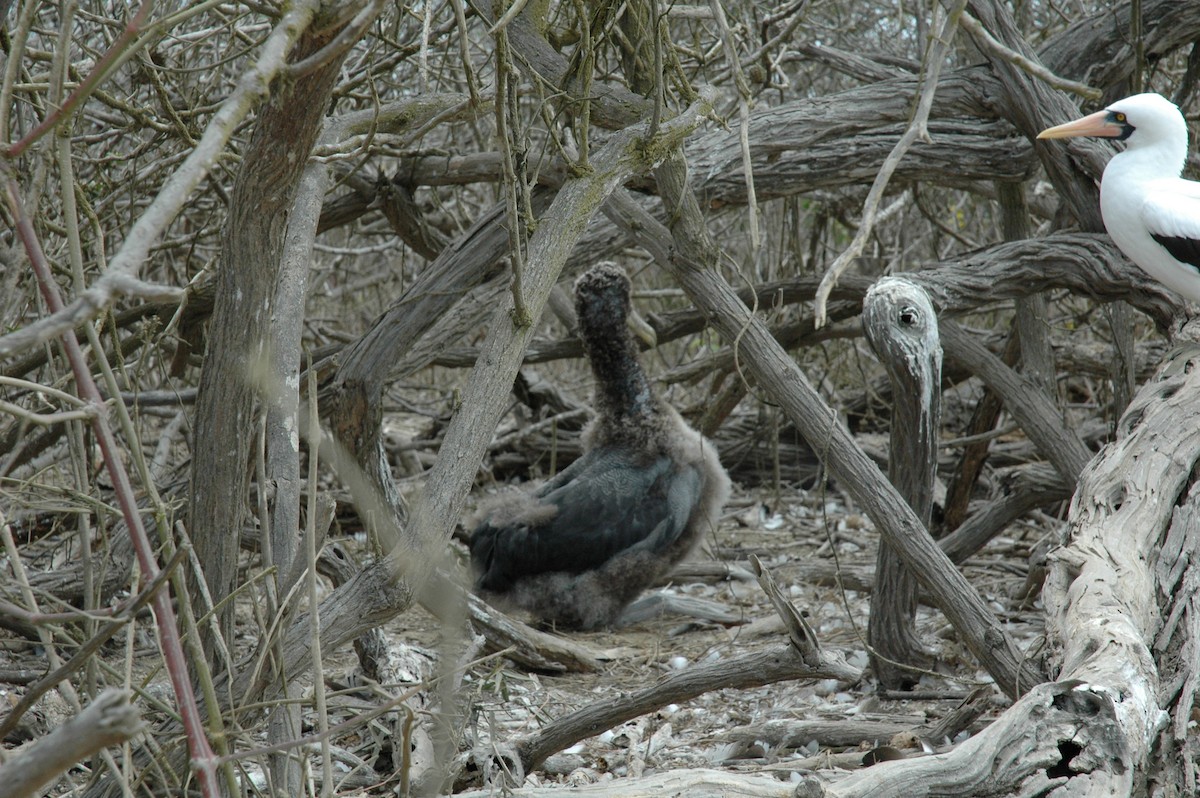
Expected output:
{"points": [[311, 257]]}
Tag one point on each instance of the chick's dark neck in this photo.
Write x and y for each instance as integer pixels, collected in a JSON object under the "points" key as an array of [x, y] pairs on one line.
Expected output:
{"points": [[622, 390]]}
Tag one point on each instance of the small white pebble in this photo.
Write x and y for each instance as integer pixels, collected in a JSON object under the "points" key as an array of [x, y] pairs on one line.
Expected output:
{"points": [[677, 662]]}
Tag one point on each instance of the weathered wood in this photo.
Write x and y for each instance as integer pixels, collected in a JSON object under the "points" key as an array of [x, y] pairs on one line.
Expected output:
{"points": [[1031, 749], [1098, 725], [109, 720], [1025, 401], [798, 631], [1022, 489], [1105, 600], [751, 670], [1031, 325], [251, 260], [277, 374], [804, 142], [691, 783], [767, 362], [822, 129], [1094, 48], [352, 398], [1031, 106], [800, 146], [1086, 264], [789, 733], [658, 604], [902, 329], [337, 564], [777, 734], [977, 702], [961, 484], [406, 219], [528, 647], [794, 135]]}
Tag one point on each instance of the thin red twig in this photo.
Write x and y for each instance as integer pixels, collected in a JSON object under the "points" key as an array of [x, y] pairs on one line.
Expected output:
{"points": [[202, 756], [132, 28]]}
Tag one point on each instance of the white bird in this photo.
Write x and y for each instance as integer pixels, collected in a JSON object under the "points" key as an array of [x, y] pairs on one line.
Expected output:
{"points": [[1152, 213]]}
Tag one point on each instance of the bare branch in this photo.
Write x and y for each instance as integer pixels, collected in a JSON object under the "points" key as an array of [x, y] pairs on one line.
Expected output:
{"points": [[917, 129], [108, 720], [1040, 72]]}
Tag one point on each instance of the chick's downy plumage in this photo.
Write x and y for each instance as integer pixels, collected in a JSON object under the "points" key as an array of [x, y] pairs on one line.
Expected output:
{"points": [[578, 549]]}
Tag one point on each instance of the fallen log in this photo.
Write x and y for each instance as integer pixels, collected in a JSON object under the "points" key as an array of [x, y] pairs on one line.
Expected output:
{"points": [[1115, 721]]}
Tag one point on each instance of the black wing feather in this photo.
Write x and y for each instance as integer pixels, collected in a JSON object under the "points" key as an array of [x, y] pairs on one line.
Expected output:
{"points": [[1183, 249], [611, 501]]}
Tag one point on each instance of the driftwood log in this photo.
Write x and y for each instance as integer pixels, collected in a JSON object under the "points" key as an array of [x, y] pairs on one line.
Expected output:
{"points": [[787, 733], [1116, 596]]}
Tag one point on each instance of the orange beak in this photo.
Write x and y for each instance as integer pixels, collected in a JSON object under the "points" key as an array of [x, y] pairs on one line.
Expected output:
{"points": [[1097, 124]]}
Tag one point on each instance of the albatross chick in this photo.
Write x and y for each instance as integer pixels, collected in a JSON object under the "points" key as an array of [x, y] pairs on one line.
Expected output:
{"points": [[582, 546]]}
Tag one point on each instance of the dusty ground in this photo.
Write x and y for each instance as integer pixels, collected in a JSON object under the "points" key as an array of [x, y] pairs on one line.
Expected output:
{"points": [[506, 702], [500, 702]]}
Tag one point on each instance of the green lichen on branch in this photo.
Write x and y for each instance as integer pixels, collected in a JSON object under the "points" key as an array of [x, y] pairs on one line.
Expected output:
{"points": [[405, 115], [653, 150], [579, 170], [520, 317]]}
